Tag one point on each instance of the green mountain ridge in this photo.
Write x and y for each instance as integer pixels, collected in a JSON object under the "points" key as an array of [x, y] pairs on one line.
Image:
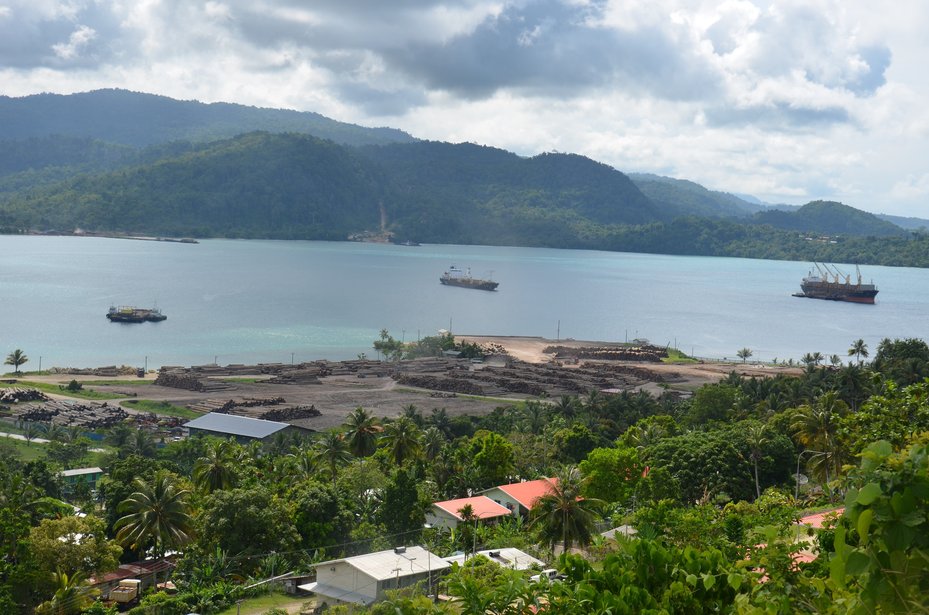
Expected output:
{"points": [[139, 120], [287, 184]]}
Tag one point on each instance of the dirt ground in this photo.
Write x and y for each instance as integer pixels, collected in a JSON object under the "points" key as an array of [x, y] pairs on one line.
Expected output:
{"points": [[336, 396]]}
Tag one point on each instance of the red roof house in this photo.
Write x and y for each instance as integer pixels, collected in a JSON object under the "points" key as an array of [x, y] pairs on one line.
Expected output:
{"points": [[446, 514], [521, 496]]}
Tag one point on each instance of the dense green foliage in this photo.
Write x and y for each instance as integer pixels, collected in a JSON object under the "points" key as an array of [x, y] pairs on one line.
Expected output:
{"points": [[679, 197], [829, 218]]}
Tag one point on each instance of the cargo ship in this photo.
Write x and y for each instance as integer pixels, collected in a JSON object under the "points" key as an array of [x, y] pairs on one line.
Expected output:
{"points": [[456, 277], [831, 284], [126, 313]]}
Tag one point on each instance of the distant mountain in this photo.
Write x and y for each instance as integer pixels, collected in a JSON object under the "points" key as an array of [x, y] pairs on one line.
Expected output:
{"points": [[476, 194], [680, 197], [139, 120], [829, 218], [910, 224], [297, 186]]}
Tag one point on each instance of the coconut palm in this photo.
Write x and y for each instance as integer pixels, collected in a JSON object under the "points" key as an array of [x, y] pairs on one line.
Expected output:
{"points": [[332, 451], [363, 430], [566, 406], [433, 442], [403, 439], [72, 595], [214, 470], [756, 435], [156, 515], [441, 421], [816, 427], [16, 358], [51, 431], [535, 417], [859, 349], [562, 515], [744, 354], [31, 431]]}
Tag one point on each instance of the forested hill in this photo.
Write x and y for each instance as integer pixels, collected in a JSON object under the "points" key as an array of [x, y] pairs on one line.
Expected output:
{"points": [[829, 218], [137, 119], [474, 194], [680, 197], [297, 186]]}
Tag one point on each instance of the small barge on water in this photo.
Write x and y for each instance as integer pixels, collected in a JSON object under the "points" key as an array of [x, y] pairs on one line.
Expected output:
{"points": [[125, 313]]}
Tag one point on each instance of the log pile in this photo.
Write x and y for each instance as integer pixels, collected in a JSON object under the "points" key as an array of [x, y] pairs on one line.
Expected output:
{"points": [[178, 380], [438, 383], [648, 354], [16, 395], [87, 415], [110, 371], [290, 414]]}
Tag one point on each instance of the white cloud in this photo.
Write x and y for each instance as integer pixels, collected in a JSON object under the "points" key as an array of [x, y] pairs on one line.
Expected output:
{"points": [[78, 41]]}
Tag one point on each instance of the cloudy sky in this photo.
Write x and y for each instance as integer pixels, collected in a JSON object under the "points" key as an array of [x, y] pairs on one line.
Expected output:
{"points": [[786, 100]]}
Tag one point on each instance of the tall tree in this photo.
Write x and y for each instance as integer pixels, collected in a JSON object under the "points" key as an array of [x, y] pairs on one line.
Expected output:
{"points": [[403, 439], [362, 432], [816, 428], [72, 595], [756, 435], [214, 469], [744, 354], [332, 451], [156, 515], [16, 358], [859, 349], [563, 515]]}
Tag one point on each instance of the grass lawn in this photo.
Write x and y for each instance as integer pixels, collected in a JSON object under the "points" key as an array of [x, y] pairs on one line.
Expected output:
{"points": [[676, 356], [160, 407], [61, 390], [262, 604], [24, 451]]}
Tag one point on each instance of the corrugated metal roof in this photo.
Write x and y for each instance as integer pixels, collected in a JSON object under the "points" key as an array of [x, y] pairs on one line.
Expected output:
{"points": [[389, 564], [236, 425], [81, 471], [509, 557]]}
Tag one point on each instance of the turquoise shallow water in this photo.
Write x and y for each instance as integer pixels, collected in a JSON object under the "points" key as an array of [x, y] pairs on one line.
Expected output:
{"points": [[274, 301]]}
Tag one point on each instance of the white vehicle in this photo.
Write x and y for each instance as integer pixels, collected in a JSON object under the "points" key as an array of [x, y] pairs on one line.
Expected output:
{"points": [[549, 574]]}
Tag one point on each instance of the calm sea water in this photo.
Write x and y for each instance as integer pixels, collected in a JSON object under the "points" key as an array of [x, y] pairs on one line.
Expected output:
{"points": [[275, 301]]}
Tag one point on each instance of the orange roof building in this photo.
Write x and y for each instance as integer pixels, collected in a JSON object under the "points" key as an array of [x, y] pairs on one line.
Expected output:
{"points": [[446, 514], [521, 497]]}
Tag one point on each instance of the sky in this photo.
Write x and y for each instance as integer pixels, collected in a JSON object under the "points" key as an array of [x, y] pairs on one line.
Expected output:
{"points": [[785, 100]]}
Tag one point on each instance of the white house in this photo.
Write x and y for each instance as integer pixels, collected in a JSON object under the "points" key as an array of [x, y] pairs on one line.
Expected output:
{"points": [[364, 578], [446, 514]]}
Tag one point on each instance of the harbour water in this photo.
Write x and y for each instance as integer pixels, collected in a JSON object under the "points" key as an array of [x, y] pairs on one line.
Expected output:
{"points": [[252, 301]]}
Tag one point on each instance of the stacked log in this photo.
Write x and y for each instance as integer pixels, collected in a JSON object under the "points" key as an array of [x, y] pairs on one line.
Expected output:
{"points": [[437, 383], [16, 395], [177, 380], [649, 354], [87, 415], [290, 414]]}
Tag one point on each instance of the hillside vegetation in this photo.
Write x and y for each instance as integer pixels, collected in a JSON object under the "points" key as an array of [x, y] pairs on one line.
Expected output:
{"points": [[117, 161]]}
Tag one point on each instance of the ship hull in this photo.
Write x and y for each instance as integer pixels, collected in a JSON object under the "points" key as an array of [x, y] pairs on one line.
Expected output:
{"points": [[470, 283], [134, 315], [839, 293]]}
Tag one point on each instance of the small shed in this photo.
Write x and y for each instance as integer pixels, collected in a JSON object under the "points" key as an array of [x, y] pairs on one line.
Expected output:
{"points": [[364, 578], [242, 428], [446, 514]]}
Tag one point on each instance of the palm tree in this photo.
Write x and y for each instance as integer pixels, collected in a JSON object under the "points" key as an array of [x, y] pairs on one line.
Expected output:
{"points": [[757, 437], [433, 442], [156, 514], [859, 349], [562, 515], [31, 431], [816, 428], [120, 437], [332, 450], [441, 421], [744, 354], [403, 438], [16, 358], [143, 443], [213, 470], [72, 595], [362, 433], [51, 431], [535, 417], [566, 406]]}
